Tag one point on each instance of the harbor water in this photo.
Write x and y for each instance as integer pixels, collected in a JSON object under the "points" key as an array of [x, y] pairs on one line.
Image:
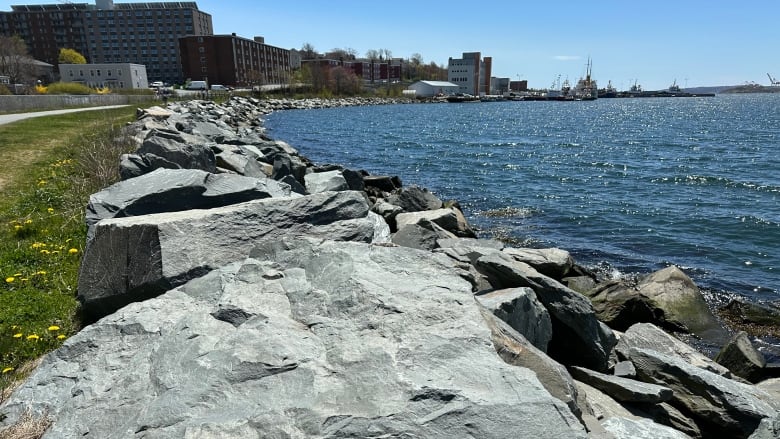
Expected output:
{"points": [[628, 186]]}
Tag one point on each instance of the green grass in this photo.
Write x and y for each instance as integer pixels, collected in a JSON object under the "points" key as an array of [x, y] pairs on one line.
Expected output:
{"points": [[52, 165]]}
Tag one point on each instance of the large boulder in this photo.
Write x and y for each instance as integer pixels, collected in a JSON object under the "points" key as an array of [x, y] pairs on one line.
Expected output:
{"points": [[413, 198], [137, 258], [551, 262], [741, 358], [681, 301], [423, 235], [622, 389], [578, 337], [446, 218], [720, 406], [522, 311], [325, 182], [173, 190], [318, 339], [649, 336], [627, 428], [179, 150]]}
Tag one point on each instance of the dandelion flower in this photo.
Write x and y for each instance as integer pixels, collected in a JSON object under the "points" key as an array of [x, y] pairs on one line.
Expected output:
{"points": [[10, 279], [29, 221], [42, 183], [54, 328], [18, 275], [8, 369], [61, 337], [17, 227], [18, 335], [50, 210], [73, 251], [33, 337], [45, 252], [41, 272]]}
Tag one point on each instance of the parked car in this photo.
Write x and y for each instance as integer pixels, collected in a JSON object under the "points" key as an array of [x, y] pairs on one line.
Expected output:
{"points": [[157, 84], [219, 87], [197, 85]]}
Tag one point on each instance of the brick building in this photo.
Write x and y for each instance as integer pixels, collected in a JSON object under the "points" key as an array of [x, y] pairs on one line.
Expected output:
{"points": [[233, 60], [108, 32]]}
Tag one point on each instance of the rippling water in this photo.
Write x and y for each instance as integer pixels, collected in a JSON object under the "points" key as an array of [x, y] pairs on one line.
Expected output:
{"points": [[626, 185]]}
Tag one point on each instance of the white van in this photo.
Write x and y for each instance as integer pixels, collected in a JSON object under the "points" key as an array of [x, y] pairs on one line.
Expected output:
{"points": [[197, 85]]}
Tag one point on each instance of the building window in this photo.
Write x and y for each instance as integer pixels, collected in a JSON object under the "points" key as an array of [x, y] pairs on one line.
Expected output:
{"points": [[98, 72]]}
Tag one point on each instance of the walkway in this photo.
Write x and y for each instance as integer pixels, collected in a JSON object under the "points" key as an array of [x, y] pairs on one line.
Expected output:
{"points": [[10, 118]]}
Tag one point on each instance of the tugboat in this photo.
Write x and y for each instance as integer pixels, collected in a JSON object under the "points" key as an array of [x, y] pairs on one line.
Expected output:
{"points": [[609, 92]]}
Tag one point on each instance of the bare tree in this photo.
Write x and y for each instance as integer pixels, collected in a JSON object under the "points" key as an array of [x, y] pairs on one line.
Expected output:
{"points": [[385, 54], [346, 54], [15, 62], [372, 54], [308, 52], [344, 81]]}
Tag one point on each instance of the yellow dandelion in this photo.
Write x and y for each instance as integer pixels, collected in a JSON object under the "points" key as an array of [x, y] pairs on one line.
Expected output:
{"points": [[54, 328], [73, 251], [18, 335], [42, 183], [61, 337], [40, 273], [33, 337], [17, 227], [18, 274], [29, 221], [50, 210], [10, 279], [55, 252], [45, 252], [8, 369], [24, 279]]}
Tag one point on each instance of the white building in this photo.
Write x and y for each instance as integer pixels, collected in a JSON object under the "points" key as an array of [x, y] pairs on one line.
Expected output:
{"points": [[471, 73], [116, 76], [427, 89]]}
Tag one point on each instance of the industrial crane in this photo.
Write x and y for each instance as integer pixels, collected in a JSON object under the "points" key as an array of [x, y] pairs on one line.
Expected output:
{"points": [[773, 81]]}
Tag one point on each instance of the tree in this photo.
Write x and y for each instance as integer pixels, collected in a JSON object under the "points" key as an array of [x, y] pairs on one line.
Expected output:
{"points": [[70, 56], [15, 62], [372, 54], [308, 52], [344, 81]]}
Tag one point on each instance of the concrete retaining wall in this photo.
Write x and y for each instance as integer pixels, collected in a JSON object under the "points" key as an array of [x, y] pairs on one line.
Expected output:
{"points": [[12, 104]]}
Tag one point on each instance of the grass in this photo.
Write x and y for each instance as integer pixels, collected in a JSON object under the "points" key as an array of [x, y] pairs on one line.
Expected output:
{"points": [[52, 166]]}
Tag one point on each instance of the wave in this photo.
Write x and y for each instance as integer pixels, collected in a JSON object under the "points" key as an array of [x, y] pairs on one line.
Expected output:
{"points": [[714, 181]]}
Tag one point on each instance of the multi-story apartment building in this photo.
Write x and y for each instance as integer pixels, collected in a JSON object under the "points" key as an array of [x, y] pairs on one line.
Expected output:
{"points": [[233, 60], [471, 72], [108, 32]]}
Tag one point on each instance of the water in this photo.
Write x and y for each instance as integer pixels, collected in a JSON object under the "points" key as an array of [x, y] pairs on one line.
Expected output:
{"points": [[626, 185]]}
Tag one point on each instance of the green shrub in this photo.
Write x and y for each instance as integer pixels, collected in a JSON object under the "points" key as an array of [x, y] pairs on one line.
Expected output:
{"points": [[4, 90], [68, 88]]}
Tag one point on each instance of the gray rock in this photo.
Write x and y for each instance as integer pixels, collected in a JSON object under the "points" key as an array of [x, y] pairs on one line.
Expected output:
{"points": [[382, 183], [741, 358], [649, 336], [624, 428], [295, 186], [514, 349], [682, 302], [423, 235], [354, 179], [769, 428], [316, 182], [136, 258], [720, 406], [580, 284], [172, 190], [578, 337], [620, 305], [234, 159], [521, 310], [179, 149], [387, 211], [551, 262], [666, 414], [446, 218], [333, 340], [622, 389], [414, 199], [625, 369]]}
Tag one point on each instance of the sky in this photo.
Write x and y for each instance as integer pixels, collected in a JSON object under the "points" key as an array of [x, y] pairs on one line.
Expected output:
{"points": [[651, 43]]}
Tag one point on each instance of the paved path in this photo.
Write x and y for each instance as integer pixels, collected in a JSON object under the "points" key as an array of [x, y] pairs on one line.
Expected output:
{"points": [[9, 118]]}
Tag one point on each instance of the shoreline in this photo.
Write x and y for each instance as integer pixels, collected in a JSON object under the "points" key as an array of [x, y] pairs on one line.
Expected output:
{"points": [[227, 265]]}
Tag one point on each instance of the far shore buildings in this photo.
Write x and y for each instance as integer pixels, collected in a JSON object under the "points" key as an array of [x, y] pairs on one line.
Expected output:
{"points": [[234, 61], [429, 89], [120, 76], [471, 73], [108, 32]]}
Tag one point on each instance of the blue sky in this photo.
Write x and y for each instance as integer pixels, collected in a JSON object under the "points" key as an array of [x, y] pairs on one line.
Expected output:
{"points": [[696, 43]]}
